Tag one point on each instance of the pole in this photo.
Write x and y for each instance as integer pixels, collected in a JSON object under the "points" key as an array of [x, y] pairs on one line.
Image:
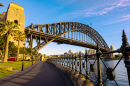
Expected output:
{"points": [[23, 57], [32, 56]]}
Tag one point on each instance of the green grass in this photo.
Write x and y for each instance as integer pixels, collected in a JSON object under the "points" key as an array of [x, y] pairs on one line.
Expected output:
{"points": [[15, 65], [4, 73]]}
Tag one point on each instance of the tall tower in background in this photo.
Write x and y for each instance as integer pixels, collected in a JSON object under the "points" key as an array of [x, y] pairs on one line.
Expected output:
{"points": [[112, 54], [15, 13]]}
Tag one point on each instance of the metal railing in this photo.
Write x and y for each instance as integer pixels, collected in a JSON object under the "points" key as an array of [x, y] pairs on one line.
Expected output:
{"points": [[78, 66]]}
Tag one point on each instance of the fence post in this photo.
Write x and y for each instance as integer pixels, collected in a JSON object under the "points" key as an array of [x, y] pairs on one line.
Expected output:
{"points": [[57, 60], [86, 56], [64, 60], [76, 64], [72, 63], [125, 49], [88, 82], [67, 60], [98, 53], [80, 73]]}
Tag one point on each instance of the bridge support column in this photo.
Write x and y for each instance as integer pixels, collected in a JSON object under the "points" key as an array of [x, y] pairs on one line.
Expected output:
{"points": [[125, 49], [31, 41]]}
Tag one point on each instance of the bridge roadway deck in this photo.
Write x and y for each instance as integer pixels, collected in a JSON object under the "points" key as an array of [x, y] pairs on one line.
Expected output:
{"points": [[39, 74]]}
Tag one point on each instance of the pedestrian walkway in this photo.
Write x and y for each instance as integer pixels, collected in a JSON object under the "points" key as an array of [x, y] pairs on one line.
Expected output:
{"points": [[39, 74]]}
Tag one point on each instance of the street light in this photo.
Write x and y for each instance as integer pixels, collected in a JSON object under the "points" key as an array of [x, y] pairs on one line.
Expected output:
{"points": [[23, 54]]}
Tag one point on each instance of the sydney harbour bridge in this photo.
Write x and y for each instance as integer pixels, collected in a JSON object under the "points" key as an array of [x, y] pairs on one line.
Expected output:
{"points": [[72, 33]]}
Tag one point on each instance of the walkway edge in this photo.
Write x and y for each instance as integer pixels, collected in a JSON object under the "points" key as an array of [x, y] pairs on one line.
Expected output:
{"points": [[67, 79]]}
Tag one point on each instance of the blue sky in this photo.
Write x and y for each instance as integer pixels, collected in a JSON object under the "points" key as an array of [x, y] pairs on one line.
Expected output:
{"points": [[108, 17]]}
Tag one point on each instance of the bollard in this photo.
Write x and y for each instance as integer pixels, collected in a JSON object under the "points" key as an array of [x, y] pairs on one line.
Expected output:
{"points": [[99, 66], [125, 49], [80, 73]]}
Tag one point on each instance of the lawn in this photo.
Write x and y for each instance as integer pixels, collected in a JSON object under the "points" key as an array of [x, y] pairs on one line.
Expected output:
{"points": [[15, 65]]}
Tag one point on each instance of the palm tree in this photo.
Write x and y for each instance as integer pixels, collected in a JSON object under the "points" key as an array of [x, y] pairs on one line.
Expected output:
{"points": [[19, 36], [9, 28], [1, 6]]}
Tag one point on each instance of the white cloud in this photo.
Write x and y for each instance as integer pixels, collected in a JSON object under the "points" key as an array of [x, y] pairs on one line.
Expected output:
{"points": [[121, 3], [98, 10], [123, 18]]}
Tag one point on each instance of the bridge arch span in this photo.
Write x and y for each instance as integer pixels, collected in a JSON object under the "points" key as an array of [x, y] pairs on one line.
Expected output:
{"points": [[55, 31]]}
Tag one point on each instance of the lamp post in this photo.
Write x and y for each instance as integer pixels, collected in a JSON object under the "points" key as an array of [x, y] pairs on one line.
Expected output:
{"points": [[23, 55], [32, 58]]}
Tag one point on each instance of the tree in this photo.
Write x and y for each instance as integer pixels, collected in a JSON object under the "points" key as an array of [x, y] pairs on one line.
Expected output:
{"points": [[12, 49], [19, 36], [2, 45], [9, 28], [27, 50], [1, 6]]}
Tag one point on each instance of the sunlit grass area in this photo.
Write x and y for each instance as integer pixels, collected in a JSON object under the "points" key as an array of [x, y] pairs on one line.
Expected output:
{"points": [[15, 65], [4, 73]]}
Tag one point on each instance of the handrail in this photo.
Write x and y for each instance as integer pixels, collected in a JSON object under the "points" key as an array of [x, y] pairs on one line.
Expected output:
{"points": [[124, 49]]}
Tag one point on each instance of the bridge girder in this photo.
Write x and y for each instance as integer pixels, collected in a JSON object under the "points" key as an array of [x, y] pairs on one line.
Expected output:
{"points": [[54, 31]]}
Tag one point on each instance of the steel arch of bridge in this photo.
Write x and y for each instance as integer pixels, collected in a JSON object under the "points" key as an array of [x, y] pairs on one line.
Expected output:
{"points": [[73, 33]]}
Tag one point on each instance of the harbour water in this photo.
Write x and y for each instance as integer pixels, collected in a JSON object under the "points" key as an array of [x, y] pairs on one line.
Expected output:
{"points": [[121, 78]]}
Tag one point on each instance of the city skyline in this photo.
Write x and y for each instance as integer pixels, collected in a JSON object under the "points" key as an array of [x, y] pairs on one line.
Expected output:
{"points": [[109, 18]]}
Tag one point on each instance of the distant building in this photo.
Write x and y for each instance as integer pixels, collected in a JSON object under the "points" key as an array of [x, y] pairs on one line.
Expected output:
{"points": [[65, 54], [91, 51], [69, 52], [112, 54]]}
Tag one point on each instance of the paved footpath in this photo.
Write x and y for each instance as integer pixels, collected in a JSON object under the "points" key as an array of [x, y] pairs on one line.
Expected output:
{"points": [[39, 74]]}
